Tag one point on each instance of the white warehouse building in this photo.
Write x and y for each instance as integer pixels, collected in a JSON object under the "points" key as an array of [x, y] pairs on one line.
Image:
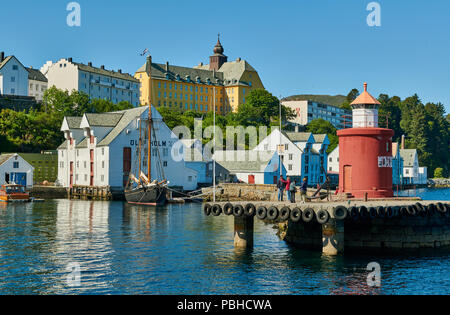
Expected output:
{"points": [[102, 149], [98, 83]]}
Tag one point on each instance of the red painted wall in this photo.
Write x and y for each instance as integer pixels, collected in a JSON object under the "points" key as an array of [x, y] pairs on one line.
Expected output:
{"points": [[359, 149]]}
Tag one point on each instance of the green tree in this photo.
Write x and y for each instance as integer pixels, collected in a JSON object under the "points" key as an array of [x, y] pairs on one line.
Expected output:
{"points": [[351, 96], [261, 108], [439, 172], [389, 114]]}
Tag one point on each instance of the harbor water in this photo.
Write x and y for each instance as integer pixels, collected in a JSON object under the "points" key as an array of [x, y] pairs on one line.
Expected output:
{"points": [[84, 247]]}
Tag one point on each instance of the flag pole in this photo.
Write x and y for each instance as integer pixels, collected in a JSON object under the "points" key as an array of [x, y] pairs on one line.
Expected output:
{"points": [[214, 159], [279, 146]]}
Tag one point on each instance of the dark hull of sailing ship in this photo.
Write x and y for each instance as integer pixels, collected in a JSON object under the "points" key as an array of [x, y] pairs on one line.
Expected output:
{"points": [[152, 196]]}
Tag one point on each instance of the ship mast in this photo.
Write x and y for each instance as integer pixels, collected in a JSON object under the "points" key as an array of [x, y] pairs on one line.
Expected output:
{"points": [[149, 141]]}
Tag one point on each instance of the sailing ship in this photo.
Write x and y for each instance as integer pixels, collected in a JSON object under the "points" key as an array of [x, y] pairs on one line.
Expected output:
{"points": [[142, 189]]}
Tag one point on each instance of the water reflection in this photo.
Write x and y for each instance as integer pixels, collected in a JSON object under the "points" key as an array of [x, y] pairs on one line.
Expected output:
{"points": [[124, 249]]}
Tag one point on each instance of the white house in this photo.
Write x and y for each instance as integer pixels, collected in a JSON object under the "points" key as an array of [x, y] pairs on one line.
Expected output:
{"points": [[13, 76], [251, 167], [410, 166], [102, 150], [98, 83], [422, 176], [14, 169], [333, 161], [301, 152], [37, 84]]}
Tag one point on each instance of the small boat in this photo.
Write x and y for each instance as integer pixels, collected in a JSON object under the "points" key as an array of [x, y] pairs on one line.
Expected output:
{"points": [[14, 193]]}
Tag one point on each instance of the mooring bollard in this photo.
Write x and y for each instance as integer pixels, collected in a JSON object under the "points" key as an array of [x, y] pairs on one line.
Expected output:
{"points": [[333, 237], [243, 231]]}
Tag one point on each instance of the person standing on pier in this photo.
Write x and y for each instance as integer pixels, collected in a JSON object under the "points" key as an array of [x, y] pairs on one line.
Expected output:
{"points": [[281, 184], [292, 190], [304, 189], [288, 188]]}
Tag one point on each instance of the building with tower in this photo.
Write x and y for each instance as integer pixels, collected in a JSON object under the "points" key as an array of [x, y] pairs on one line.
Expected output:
{"points": [[222, 83], [365, 152]]}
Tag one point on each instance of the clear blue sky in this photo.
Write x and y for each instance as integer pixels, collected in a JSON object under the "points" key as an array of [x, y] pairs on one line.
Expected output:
{"points": [[298, 47]]}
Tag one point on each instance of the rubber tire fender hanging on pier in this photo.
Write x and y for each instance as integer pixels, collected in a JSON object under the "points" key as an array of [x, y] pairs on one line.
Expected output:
{"points": [[390, 212], [403, 211], [238, 211], [373, 214], [285, 213], [411, 211], [228, 208], [250, 210], [261, 213], [441, 208], [381, 211], [354, 213], [363, 213], [432, 209], [272, 213], [323, 216], [308, 215], [207, 209], [340, 213], [216, 210], [296, 215]]}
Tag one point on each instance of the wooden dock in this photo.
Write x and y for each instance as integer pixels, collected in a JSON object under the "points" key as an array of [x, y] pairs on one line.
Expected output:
{"points": [[90, 193]]}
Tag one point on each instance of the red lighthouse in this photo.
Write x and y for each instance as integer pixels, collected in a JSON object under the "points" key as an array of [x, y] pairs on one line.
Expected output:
{"points": [[365, 152]]}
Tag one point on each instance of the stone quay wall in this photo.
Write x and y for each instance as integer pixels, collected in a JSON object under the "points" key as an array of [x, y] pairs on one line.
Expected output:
{"points": [[398, 233]]}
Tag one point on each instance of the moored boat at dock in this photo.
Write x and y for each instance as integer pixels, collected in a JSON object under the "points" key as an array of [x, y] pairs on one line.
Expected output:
{"points": [[14, 193]]}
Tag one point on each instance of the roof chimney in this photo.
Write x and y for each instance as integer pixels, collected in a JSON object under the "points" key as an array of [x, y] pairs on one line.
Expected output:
{"points": [[90, 64], [120, 70], [102, 67], [403, 142], [2, 56], [167, 66], [70, 59]]}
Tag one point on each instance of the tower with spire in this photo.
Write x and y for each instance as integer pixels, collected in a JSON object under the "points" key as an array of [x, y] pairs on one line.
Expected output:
{"points": [[365, 110], [218, 58]]}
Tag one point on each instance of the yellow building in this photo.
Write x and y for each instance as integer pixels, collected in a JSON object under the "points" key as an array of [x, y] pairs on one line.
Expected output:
{"points": [[195, 88]]}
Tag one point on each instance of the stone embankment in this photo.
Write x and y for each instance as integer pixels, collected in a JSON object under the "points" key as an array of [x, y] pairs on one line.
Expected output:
{"points": [[249, 192], [48, 192], [439, 182]]}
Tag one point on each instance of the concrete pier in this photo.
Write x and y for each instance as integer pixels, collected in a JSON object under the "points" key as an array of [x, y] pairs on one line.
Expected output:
{"points": [[243, 232], [332, 227]]}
